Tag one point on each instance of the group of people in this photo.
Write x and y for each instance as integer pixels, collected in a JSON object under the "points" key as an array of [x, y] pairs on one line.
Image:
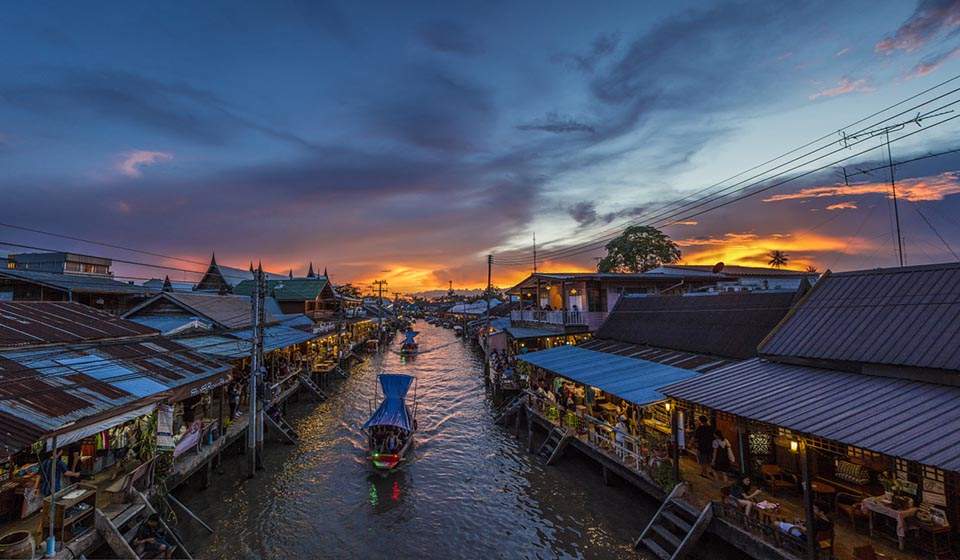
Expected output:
{"points": [[714, 452], [502, 362], [387, 439]]}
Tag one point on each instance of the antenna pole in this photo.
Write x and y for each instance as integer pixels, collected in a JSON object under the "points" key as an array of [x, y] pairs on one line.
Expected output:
{"points": [[896, 208]]}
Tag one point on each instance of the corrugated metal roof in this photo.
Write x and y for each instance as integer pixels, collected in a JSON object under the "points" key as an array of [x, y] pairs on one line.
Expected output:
{"points": [[700, 363], [729, 325], [901, 418], [74, 282], [630, 379], [227, 311], [524, 332], [899, 316], [165, 323], [46, 389], [44, 322], [220, 346], [277, 336]]}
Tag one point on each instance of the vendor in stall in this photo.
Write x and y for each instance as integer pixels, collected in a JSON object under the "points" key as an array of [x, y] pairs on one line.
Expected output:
{"points": [[60, 470]]}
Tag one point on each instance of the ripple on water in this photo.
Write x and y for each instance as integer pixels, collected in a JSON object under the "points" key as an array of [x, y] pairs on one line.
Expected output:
{"points": [[468, 490]]}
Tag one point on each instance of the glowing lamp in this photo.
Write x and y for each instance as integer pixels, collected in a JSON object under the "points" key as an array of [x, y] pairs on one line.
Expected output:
{"points": [[573, 291], [794, 445], [667, 406]]}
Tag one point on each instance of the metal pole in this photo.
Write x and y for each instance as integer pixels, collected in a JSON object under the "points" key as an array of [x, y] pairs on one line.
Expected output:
{"points": [[675, 428], [263, 395], [896, 208], [52, 481], [252, 391], [808, 501]]}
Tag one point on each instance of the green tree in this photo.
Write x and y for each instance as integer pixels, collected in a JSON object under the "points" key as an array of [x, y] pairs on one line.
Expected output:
{"points": [[778, 259], [349, 290], [638, 249]]}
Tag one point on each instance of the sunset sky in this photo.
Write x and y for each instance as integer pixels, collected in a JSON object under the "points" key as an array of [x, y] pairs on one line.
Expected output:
{"points": [[405, 141]]}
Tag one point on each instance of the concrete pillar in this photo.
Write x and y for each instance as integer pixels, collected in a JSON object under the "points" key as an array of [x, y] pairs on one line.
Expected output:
{"points": [[805, 472]]}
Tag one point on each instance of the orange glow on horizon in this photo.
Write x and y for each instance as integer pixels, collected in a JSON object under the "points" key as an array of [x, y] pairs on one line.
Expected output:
{"points": [[750, 249]]}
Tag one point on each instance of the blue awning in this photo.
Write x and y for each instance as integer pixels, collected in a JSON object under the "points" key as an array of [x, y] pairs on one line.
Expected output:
{"points": [[393, 410], [277, 336], [220, 346], [631, 379], [524, 332]]}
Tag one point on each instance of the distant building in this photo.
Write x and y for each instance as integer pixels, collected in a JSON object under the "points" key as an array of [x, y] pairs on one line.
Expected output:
{"points": [[67, 277], [739, 278], [60, 263], [313, 296], [220, 279]]}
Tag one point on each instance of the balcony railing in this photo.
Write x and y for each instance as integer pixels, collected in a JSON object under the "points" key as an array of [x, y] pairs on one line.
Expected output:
{"points": [[589, 319]]}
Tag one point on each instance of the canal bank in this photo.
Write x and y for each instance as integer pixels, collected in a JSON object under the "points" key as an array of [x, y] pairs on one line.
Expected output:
{"points": [[470, 490]]}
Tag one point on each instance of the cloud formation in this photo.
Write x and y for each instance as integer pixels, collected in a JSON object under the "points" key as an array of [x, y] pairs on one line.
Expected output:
{"points": [[931, 63], [844, 86], [922, 189], [846, 205], [132, 161], [929, 20]]}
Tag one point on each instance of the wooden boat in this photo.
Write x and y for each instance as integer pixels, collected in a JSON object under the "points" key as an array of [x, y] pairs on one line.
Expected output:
{"points": [[390, 429], [409, 346]]}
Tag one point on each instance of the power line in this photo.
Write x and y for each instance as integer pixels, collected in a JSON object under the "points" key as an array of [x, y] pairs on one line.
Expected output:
{"points": [[575, 250], [101, 243], [844, 140]]}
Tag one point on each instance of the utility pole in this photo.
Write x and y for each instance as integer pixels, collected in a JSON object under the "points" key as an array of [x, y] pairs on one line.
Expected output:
{"points": [[380, 284], [255, 418], [896, 209], [264, 394], [536, 304], [252, 387], [486, 336]]}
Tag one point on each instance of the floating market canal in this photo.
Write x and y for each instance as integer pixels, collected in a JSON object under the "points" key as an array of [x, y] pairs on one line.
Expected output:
{"points": [[468, 490]]}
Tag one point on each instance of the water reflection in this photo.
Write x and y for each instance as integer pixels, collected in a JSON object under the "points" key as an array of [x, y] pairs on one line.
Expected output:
{"points": [[468, 490]]}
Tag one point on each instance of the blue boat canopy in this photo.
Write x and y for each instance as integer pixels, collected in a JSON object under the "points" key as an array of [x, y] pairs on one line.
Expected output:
{"points": [[632, 379], [393, 410]]}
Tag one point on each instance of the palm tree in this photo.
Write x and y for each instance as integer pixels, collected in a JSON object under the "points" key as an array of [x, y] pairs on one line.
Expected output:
{"points": [[811, 269], [778, 259]]}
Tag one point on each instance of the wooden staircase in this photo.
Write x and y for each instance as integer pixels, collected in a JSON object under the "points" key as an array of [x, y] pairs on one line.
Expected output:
{"points": [[119, 528], [552, 448], [313, 387], [513, 407], [277, 421], [674, 529]]}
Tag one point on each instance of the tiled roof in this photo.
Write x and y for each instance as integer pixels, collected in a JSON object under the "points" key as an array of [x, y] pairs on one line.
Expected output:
{"points": [[45, 322], [288, 289], [898, 316], [74, 282], [728, 325]]}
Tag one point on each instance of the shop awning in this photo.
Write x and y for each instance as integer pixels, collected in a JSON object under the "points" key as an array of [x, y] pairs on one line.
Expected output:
{"points": [[91, 429], [220, 346], [276, 337], [897, 417], [631, 379], [524, 332]]}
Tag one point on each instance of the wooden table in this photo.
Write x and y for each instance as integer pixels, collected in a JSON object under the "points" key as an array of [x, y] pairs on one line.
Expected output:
{"points": [[767, 510], [874, 506]]}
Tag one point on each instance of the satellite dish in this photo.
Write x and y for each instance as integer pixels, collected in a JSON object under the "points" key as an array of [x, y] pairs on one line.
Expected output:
{"points": [[718, 267]]}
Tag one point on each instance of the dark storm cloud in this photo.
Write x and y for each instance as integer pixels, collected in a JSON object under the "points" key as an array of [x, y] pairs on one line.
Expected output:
{"points": [[435, 109], [584, 213], [450, 37], [175, 109]]}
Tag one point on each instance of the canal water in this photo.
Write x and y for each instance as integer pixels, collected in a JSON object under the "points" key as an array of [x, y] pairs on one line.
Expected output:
{"points": [[470, 489]]}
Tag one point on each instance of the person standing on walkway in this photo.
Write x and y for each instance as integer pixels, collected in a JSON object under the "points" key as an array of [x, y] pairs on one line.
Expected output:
{"points": [[620, 435], [723, 459], [703, 435]]}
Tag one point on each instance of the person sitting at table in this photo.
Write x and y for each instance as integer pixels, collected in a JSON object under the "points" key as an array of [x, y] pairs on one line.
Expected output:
{"points": [[742, 494]]}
